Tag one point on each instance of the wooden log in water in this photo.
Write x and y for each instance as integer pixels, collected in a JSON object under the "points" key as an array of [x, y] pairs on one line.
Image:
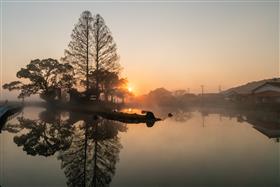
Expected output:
{"points": [[103, 111], [149, 118]]}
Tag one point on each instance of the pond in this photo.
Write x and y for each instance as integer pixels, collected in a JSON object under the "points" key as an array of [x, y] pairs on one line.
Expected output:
{"points": [[195, 147]]}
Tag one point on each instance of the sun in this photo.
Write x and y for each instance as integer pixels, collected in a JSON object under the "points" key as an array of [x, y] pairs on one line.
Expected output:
{"points": [[130, 89]]}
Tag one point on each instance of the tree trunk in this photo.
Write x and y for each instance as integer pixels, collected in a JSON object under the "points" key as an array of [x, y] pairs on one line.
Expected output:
{"points": [[97, 60], [87, 73]]}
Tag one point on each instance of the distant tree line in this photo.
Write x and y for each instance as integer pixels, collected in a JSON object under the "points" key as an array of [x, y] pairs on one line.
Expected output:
{"points": [[178, 98], [90, 67]]}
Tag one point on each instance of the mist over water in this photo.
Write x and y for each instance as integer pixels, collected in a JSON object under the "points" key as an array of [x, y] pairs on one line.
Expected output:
{"points": [[140, 93], [196, 147]]}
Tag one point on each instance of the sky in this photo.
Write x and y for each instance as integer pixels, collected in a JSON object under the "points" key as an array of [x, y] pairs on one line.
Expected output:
{"points": [[176, 45]]}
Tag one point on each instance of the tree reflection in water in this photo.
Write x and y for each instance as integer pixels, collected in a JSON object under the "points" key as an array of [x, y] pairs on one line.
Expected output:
{"points": [[41, 137], [91, 159], [88, 146]]}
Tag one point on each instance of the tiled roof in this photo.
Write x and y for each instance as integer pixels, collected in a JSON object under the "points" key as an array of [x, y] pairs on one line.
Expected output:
{"points": [[277, 84], [249, 87]]}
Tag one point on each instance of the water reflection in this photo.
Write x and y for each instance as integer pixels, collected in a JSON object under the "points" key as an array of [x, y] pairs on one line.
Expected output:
{"points": [[91, 159], [182, 115], [88, 146], [266, 122], [41, 137]]}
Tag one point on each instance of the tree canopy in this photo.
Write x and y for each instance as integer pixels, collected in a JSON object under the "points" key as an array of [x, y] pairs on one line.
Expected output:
{"points": [[80, 49], [92, 51], [90, 62], [105, 51], [44, 77]]}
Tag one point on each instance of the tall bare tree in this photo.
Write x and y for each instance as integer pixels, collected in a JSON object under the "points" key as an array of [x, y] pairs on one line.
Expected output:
{"points": [[104, 51], [80, 50]]}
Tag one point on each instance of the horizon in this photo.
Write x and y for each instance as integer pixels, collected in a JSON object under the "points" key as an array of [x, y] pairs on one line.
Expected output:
{"points": [[93, 92], [206, 44], [35, 98]]}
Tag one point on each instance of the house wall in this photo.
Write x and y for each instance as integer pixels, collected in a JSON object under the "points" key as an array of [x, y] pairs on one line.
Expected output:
{"points": [[267, 97]]}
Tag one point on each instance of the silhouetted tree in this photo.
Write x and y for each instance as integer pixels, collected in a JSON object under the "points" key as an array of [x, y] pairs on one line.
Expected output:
{"points": [[111, 84], [80, 48], [45, 77], [159, 96], [122, 90], [25, 90], [104, 50]]}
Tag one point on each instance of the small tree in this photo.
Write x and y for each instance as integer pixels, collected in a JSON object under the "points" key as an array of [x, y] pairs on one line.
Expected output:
{"points": [[44, 77], [80, 52]]}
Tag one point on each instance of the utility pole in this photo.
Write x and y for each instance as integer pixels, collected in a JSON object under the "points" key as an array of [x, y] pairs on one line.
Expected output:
{"points": [[220, 89], [202, 90]]}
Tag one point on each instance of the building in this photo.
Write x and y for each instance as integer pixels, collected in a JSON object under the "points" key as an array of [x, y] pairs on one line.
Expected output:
{"points": [[268, 92], [236, 96]]}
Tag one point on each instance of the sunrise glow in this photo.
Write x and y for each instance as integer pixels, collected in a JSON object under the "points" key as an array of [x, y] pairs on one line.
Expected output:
{"points": [[130, 89], [139, 93]]}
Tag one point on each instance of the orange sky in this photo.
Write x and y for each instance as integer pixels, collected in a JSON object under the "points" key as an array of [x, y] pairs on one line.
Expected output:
{"points": [[172, 45]]}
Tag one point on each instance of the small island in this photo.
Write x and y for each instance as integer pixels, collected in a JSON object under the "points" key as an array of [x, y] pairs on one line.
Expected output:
{"points": [[86, 79]]}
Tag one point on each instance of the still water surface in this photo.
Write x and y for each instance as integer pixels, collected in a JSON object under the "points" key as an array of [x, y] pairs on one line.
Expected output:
{"points": [[201, 147]]}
